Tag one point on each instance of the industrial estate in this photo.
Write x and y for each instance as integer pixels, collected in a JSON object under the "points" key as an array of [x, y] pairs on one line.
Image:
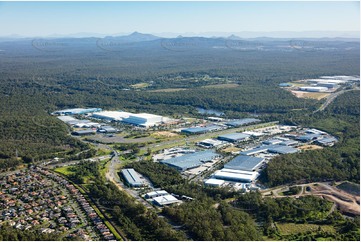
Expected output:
{"points": [[226, 157]]}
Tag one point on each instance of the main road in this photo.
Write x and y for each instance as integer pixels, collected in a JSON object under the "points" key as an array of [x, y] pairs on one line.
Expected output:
{"points": [[333, 96]]}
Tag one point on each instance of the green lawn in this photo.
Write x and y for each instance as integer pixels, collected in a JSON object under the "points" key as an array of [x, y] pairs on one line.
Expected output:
{"points": [[65, 170], [292, 228]]}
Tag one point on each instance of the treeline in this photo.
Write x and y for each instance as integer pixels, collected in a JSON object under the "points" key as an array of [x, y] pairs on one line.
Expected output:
{"points": [[27, 132], [8, 233], [205, 222]]}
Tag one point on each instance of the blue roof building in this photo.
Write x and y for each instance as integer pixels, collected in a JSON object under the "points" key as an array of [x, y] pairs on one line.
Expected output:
{"points": [[282, 149], [201, 130], [308, 137], [234, 137], [241, 122], [329, 141]]}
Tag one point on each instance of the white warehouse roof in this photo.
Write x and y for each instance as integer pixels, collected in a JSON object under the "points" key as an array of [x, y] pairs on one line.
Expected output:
{"points": [[214, 182], [165, 200], [112, 115], [236, 175]]}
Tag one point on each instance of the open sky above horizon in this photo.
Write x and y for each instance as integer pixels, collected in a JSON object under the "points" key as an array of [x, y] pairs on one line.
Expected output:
{"points": [[49, 18]]}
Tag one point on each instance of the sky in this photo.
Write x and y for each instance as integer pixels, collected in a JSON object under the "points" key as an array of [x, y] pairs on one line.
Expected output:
{"points": [[109, 18]]}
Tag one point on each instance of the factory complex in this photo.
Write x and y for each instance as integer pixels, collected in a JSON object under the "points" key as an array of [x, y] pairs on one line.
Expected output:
{"points": [[192, 160], [144, 120], [242, 171], [324, 84]]}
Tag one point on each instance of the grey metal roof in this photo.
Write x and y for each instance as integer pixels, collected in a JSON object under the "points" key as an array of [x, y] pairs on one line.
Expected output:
{"points": [[256, 150], [132, 177], [244, 162], [233, 136], [327, 140], [190, 160], [240, 122], [87, 131], [281, 149], [272, 141], [288, 142], [201, 129], [308, 137]]}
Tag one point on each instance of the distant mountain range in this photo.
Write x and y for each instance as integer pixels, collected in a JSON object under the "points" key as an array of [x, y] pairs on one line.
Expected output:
{"points": [[136, 36]]}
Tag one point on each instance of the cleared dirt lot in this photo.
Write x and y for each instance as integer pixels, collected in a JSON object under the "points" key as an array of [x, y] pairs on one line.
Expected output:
{"points": [[310, 147], [312, 95], [165, 134], [346, 202]]}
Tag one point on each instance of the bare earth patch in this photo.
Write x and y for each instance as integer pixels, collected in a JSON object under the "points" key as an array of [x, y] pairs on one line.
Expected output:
{"points": [[229, 85], [346, 202], [165, 134], [310, 147], [312, 95], [169, 90]]}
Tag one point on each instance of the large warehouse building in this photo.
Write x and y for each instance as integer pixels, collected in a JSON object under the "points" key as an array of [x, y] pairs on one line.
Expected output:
{"points": [[76, 111], [201, 130], [141, 119], [111, 115], [279, 149], [234, 137], [241, 122], [236, 175], [144, 120], [132, 177], [192, 160], [313, 89], [245, 163]]}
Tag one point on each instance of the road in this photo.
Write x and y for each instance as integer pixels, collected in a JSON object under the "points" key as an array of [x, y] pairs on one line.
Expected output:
{"points": [[332, 97]]}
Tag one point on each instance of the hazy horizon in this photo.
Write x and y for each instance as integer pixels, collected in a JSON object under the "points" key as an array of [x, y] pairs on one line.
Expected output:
{"points": [[170, 19]]}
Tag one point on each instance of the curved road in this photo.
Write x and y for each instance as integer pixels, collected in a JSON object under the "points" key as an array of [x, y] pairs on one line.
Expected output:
{"points": [[332, 97]]}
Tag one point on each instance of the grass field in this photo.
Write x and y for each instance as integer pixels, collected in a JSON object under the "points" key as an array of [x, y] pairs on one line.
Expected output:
{"points": [[229, 85], [140, 85], [292, 228], [311, 95], [65, 170], [231, 149], [169, 90], [310, 147]]}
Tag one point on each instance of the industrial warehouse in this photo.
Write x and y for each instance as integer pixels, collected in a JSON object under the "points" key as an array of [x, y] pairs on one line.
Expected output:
{"points": [[132, 178], [324, 84], [76, 111], [234, 137], [192, 160], [244, 169], [144, 120]]}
